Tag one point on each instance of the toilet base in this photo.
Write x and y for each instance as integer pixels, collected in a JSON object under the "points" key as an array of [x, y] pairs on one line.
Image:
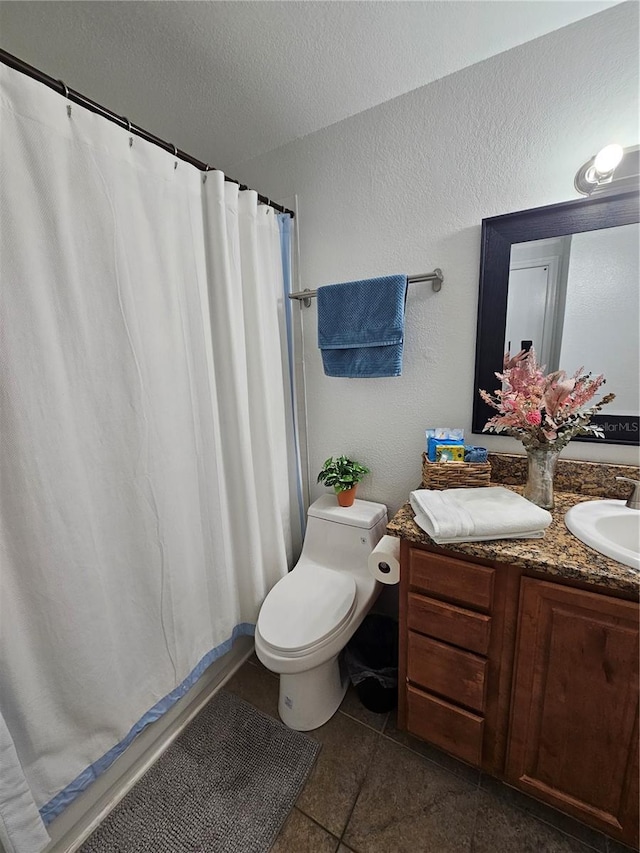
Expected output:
{"points": [[308, 699]]}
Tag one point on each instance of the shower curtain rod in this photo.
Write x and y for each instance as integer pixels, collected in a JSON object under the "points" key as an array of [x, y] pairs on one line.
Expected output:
{"points": [[305, 296], [71, 95]]}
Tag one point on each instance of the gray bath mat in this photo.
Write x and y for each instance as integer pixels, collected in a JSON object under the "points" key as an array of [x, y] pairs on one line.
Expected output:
{"points": [[226, 785]]}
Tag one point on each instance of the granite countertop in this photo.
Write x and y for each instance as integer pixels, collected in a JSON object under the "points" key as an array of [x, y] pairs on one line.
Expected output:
{"points": [[558, 554]]}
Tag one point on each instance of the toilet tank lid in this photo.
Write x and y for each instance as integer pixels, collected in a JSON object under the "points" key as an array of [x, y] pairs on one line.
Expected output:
{"points": [[362, 514]]}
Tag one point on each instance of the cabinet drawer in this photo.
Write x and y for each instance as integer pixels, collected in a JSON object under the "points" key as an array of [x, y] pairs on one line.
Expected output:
{"points": [[447, 622], [455, 580], [454, 674], [457, 731]]}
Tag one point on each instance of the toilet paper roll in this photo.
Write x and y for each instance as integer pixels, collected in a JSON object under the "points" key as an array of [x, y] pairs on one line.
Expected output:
{"points": [[384, 560]]}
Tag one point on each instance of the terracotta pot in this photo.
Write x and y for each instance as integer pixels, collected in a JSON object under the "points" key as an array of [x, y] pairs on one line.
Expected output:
{"points": [[347, 497]]}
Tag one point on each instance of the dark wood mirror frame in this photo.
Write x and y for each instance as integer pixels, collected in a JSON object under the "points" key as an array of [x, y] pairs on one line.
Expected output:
{"points": [[499, 233]]}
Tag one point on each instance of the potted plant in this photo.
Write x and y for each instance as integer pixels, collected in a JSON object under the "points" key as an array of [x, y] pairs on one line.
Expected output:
{"points": [[343, 474]]}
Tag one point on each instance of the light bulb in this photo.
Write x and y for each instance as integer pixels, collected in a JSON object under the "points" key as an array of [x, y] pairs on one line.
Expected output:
{"points": [[608, 158]]}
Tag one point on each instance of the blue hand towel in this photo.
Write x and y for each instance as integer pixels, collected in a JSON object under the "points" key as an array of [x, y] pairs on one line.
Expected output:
{"points": [[361, 327]]}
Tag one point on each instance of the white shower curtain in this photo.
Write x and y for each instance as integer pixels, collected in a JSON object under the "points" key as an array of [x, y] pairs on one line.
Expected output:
{"points": [[145, 495]]}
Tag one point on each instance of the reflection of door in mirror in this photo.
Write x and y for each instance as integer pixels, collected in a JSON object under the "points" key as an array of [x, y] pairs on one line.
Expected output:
{"points": [[537, 293], [577, 298], [603, 312]]}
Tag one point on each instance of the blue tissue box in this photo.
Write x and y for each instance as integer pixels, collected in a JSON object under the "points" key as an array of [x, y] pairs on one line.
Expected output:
{"points": [[456, 433]]}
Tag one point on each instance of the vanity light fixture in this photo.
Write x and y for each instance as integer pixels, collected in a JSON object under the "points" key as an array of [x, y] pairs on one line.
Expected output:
{"points": [[606, 162], [613, 169]]}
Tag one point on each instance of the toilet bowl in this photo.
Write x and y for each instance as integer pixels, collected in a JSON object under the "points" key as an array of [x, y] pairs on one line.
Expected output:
{"points": [[310, 615]]}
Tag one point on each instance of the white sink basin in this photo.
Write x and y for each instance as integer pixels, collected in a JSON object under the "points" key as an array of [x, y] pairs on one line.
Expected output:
{"points": [[609, 527]]}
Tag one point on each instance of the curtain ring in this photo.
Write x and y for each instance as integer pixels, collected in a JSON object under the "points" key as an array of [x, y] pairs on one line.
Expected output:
{"points": [[65, 87], [124, 118]]}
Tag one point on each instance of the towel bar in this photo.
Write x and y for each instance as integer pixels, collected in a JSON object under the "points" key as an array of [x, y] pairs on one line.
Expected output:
{"points": [[305, 296]]}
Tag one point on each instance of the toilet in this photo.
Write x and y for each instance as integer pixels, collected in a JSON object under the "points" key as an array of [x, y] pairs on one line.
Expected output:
{"points": [[310, 615]]}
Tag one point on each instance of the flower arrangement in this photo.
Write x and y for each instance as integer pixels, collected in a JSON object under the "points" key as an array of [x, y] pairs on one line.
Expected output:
{"points": [[544, 412]]}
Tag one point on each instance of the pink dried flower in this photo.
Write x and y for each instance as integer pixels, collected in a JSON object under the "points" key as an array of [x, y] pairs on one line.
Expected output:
{"points": [[557, 392], [543, 411]]}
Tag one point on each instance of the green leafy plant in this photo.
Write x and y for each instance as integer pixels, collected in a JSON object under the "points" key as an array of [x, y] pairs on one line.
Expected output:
{"points": [[342, 473]]}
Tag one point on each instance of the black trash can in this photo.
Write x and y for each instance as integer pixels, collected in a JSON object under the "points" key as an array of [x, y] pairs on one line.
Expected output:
{"points": [[371, 659]]}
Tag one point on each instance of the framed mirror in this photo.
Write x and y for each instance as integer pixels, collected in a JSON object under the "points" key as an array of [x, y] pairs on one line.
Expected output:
{"points": [[564, 278]]}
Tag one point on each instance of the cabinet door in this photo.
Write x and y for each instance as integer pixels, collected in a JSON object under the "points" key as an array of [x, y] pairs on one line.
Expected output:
{"points": [[573, 738]]}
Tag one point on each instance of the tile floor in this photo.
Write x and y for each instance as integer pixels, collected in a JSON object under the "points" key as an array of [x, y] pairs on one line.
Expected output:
{"points": [[375, 789]]}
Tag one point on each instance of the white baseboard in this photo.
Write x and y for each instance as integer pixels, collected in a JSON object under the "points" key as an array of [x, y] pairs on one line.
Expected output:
{"points": [[76, 823]]}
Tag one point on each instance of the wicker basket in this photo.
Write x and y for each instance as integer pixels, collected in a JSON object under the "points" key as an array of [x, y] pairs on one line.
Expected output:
{"points": [[454, 475]]}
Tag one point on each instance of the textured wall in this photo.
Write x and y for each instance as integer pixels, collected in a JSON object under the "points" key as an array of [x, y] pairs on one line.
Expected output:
{"points": [[404, 187]]}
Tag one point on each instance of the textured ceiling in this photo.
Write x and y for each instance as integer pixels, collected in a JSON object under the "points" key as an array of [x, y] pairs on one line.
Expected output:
{"points": [[227, 81]]}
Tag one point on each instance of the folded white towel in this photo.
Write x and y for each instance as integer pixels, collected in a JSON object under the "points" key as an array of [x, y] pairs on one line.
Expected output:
{"points": [[476, 515]]}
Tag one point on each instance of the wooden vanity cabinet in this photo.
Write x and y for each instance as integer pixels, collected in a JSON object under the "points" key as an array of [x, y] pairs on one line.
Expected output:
{"points": [[573, 739], [533, 681], [457, 630]]}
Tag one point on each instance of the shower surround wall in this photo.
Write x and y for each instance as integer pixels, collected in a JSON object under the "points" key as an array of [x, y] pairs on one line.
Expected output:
{"points": [[403, 187]]}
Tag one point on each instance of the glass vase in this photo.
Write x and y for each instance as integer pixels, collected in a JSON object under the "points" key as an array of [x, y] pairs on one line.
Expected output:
{"points": [[541, 468]]}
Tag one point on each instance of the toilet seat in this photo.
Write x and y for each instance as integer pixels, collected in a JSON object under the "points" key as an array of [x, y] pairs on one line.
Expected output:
{"points": [[306, 608]]}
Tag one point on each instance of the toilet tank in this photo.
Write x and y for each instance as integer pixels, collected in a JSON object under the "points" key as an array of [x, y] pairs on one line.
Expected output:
{"points": [[343, 537]]}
